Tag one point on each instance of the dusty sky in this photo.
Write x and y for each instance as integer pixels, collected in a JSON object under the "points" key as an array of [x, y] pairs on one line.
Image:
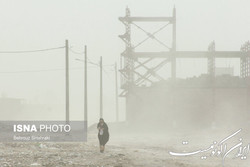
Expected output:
{"points": [[39, 24]]}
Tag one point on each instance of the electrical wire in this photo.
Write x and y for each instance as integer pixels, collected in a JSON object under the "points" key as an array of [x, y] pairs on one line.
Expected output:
{"points": [[32, 51], [109, 65], [88, 61], [34, 71], [96, 65], [78, 53]]}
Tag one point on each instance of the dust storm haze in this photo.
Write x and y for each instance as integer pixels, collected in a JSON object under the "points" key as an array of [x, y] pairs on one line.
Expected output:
{"points": [[38, 78], [200, 88]]}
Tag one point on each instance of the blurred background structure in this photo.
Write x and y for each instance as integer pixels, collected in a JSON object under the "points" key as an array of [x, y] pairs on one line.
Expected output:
{"points": [[155, 96]]}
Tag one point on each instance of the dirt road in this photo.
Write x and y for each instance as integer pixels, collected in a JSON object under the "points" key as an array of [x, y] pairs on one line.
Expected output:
{"points": [[121, 151]]}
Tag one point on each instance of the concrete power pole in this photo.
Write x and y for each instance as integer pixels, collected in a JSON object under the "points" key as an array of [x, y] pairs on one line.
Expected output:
{"points": [[85, 88], [101, 96], [116, 95], [67, 79]]}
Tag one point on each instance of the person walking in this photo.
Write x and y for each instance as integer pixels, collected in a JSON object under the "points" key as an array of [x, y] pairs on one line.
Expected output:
{"points": [[103, 134]]}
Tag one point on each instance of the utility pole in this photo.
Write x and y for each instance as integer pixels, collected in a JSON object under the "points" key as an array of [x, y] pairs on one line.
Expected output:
{"points": [[173, 64], [85, 88], [101, 106], [116, 95], [67, 79]]}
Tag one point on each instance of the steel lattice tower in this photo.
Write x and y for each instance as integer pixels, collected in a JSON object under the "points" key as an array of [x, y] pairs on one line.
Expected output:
{"points": [[245, 61], [131, 63]]}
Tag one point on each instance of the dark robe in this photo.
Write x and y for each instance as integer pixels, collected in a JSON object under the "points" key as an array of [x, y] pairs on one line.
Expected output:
{"points": [[103, 137]]}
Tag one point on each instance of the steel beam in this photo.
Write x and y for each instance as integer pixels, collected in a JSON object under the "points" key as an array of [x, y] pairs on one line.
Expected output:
{"points": [[146, 19], [191, 54]]}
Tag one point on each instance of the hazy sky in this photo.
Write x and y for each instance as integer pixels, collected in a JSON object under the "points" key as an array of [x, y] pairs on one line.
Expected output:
{"points": [[38, 24]]}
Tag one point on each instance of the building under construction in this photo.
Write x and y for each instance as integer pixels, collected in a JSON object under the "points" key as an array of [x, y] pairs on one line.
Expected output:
{"points": [[204, 101]]}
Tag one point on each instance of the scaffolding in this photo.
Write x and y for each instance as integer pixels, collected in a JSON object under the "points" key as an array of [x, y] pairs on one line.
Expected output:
{"points": [[132, 61], [245, 61]]}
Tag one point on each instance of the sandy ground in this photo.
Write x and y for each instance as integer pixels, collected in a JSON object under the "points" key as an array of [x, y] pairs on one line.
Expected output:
{"points": [[121, 151]]}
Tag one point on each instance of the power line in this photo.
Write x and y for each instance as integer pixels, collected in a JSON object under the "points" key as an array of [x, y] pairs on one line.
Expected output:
{"points": [[107, 74], [32, 51], [108, 68], [96, 64], [78, 53], [88, 62], [34, 71], [109, 65]]}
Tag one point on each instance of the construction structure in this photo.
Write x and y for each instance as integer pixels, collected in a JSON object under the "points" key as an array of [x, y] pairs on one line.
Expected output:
{"points": [[150, 94]]}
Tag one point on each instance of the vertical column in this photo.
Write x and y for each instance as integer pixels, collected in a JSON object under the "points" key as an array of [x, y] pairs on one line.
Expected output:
{"points": [[85, 87], [247, 49], [211, 72], [67, 79], [101, 104], [173, 63], [242, 64], [211, 60], [173, 66], [129, 59], [129, 64], [245, 74], [245, 61], [116, 95]]}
